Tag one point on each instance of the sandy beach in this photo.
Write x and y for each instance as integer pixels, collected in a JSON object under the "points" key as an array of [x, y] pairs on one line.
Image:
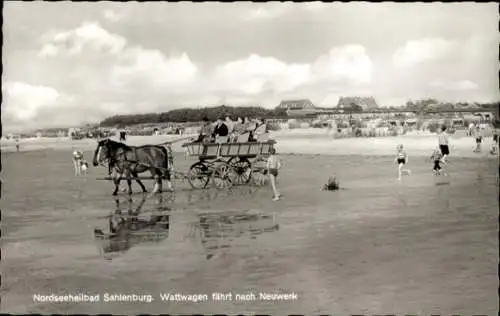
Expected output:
{"points": [[297, 141], [379, 246]]}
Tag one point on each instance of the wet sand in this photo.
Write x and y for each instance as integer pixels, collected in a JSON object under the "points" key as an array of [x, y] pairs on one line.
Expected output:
{"points": [[379, 246]]}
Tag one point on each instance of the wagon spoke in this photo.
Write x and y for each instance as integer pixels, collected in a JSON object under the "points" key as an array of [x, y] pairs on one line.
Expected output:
{"points": [[198, 175], [242, 168], [223, 176]]}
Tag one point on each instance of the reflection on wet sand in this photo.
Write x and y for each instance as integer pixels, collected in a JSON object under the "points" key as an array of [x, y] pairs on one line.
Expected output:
{"points": [[195, 196], [217, 230], [135, 227]]}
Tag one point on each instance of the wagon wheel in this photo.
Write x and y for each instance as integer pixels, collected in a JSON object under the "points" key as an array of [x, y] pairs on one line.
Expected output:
{"points": [[198, 175], [258, 175], [223, 176], [242, 168]]}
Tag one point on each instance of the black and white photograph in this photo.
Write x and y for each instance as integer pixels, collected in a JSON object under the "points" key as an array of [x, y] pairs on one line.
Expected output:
{"points": [[279, 158]]}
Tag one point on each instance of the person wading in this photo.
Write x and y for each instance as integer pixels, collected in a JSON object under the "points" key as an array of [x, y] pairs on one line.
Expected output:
{"points": [[444, 144]]}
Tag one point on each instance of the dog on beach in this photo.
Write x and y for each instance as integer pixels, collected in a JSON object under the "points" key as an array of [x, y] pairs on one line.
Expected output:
{"points": [[261, 179], [81, 165]]}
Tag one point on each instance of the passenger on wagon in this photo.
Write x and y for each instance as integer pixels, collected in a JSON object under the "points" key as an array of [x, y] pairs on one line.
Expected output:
{"points": [[251, 125], [238, 129], [221, 131], [205, 132], [229, 124], [259, 131]]}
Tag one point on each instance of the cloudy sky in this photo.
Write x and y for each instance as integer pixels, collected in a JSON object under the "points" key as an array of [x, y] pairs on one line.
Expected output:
{"points": [[67, 63]]}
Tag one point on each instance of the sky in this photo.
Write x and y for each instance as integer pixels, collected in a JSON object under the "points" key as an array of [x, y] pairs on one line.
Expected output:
{"points": [[69, 63]]}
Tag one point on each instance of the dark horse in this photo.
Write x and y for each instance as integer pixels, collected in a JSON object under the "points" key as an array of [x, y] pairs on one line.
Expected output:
{"points": [[127, 161]]}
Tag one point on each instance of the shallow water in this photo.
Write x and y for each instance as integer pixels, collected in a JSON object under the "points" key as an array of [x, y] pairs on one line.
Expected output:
{"points": [[378, 246]]}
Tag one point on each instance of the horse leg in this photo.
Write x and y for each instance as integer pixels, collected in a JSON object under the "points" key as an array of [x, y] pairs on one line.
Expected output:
{"points": [[169, 181], [139, 182], [117, 186], [158, 184], [129, 182], [117, 180]]}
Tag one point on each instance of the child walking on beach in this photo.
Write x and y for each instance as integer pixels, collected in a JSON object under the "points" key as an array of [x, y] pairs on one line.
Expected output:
{"points": [[401, 159], [444, 144], [437, 157], [273, 165], [478, 133]]}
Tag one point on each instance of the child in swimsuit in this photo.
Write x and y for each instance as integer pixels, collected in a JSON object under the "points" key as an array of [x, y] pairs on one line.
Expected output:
{"points": [[478, 133], [494, 145], [444, 144], [437, 158], [401, 159], [273, 165]]}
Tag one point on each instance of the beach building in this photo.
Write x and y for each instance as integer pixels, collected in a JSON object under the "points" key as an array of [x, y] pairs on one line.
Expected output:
{"points": [[301, 107], [367, 103]]}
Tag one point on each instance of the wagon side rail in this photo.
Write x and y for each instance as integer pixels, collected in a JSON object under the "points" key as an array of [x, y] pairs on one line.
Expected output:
{"points": [[214, 150]]}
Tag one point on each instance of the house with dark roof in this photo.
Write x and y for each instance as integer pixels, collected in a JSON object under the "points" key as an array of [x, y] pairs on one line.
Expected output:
{"points": [[296, 104], [367, 103], [301, 107]]}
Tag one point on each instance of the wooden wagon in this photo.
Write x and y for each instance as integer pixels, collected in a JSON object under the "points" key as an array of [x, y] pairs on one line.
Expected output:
{"points": [[226, 164]]}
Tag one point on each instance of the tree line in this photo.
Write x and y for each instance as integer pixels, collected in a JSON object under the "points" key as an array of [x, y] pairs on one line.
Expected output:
{"points": [[192, 115], [212, 113]]}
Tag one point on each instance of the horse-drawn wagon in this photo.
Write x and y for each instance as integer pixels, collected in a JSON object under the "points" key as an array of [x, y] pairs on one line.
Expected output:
{"points": [[222, 164], [226, 164]]}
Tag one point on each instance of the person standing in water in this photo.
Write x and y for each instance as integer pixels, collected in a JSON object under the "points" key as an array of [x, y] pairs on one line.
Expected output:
{"points": [[17, 145], [401, 159], [478, 133], [436, 157], [273, 165], [444, 144], [494, 145]]}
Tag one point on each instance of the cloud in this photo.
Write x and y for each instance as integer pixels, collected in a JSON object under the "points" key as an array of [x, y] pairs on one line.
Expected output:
{"points": [[151, 67], [111, 71], [454, 85], [23, 101], [348, 62], [454, 70], [269, 10], [255, 73], [423, 50], [112, 16], [33, 106], [90, 37], [314, 6], [107, 55], [341, 66]]}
